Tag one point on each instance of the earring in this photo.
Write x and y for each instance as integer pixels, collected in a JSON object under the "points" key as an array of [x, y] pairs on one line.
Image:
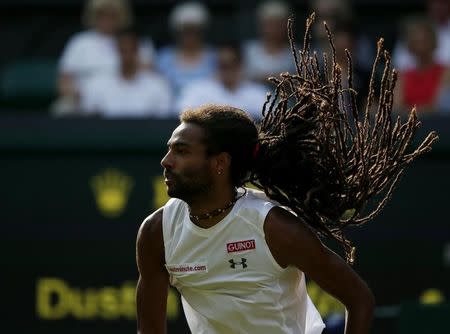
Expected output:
{"points": [[219, 172]]}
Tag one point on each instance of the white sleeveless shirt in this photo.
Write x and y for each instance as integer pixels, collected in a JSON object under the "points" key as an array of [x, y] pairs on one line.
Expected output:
{"points": [[227, 277]]}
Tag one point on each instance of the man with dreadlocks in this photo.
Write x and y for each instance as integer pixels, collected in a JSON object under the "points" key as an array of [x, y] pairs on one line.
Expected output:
{"points": [[238, 256]]}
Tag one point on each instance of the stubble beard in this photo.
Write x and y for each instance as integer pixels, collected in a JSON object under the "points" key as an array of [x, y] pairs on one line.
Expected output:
{"points": [[188, 191]]}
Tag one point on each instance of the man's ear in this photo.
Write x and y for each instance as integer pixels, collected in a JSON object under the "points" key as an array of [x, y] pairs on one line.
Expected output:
{"points": [[222, 163]]}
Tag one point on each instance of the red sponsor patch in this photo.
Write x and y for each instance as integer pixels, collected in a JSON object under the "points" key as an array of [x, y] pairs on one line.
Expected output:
{"points": [[240, 246]]}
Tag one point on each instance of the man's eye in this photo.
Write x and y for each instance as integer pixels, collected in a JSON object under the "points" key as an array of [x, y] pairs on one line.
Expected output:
{"points": [[181, 151]]}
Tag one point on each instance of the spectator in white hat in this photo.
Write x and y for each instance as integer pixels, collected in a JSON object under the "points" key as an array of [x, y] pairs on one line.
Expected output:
{"points": [[228, 87], [271, 54], [190, 58]]}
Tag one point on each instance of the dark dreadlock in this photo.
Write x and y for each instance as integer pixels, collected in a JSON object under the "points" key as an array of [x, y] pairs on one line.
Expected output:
{"points": [[321, 161]]}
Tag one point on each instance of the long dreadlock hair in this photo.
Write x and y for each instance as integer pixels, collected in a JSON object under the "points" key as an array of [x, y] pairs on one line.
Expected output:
{"points": [[322, 161]]}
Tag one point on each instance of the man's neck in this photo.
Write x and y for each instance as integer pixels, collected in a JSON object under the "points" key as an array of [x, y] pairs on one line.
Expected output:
{"points": [[425, 62], [129, 72], [231, 86], [217, 198], [274, 46], [192, 54]]}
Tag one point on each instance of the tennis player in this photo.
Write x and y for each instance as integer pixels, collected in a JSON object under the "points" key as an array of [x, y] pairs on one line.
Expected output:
{"points": [[238, 256]]}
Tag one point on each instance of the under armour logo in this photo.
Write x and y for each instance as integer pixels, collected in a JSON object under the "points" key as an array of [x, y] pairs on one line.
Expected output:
{"points": [[233, 263]]}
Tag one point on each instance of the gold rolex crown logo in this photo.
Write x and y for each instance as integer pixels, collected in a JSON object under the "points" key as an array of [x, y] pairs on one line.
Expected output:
{"points": [[111, 190]]}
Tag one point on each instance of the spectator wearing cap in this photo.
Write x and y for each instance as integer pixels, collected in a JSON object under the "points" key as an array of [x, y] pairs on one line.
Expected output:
{"points": [[271, 54], [94, 51], [227, 87], [129, 92], [190, 58]]}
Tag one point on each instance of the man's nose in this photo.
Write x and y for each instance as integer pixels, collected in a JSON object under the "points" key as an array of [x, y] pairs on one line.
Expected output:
{"points": [[166, 161]]}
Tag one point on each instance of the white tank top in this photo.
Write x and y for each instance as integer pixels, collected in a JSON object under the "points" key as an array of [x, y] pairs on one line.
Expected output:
{"points": [[227, 277]]}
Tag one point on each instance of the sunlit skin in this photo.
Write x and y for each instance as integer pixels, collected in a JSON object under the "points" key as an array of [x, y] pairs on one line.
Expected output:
{"points": [[201, 180]]}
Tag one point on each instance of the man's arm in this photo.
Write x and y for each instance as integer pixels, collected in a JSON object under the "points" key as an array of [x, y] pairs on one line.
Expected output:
{"points": [[153, 284], [292, 242]]}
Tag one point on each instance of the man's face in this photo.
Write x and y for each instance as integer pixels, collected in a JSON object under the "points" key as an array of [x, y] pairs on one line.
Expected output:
{"points": [[420, 41], [128, 50], [187, 167], [190, 35], [343, 40], [107, 20], [229, 66], [274, 29]]}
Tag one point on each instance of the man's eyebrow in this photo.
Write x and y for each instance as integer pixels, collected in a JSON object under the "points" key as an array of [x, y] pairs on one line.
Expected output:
{"points": [[177, 143]]}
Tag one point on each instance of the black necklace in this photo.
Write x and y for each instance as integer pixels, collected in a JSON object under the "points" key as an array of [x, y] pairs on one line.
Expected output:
{"points": [[217, 212]]}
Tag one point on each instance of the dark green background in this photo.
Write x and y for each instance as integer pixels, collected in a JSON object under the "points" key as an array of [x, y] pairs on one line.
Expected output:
{"points": [[51, 226]]}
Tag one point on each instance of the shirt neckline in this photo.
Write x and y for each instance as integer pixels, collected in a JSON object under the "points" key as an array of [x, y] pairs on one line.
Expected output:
{"points": [[221, 224]]}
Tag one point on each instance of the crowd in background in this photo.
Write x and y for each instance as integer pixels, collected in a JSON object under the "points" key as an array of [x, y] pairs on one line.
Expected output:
{"points": [[111, 71]]}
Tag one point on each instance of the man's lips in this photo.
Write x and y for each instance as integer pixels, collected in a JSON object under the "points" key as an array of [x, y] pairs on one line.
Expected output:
{"points": [[168, 177]]}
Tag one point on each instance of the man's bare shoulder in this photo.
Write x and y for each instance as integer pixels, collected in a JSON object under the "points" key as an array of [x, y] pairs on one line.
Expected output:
{"points": [[150, 245], [282, 219], [151, 228], [286, 232]]}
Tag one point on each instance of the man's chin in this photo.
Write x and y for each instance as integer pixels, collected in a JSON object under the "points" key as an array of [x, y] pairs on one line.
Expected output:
{"points": [[171, 192]]}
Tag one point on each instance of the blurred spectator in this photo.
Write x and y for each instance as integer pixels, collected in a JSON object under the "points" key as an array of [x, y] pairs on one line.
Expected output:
{"points": [[329, 11], [345, 38], [228, 87], [422, 85], [94, 51], [439, 13], [189, 59], [130, 91], [271, 55], [332, 12]]}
